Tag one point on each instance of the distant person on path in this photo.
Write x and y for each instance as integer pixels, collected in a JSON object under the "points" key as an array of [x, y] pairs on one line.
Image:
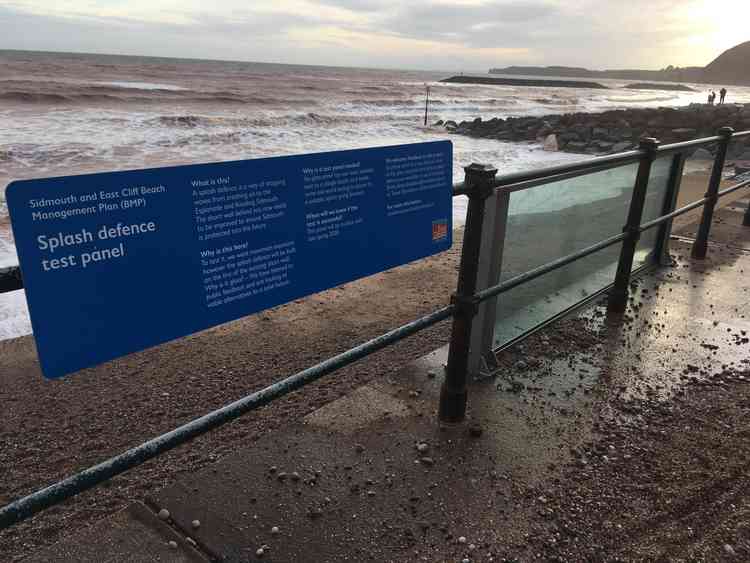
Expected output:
{"points": [[723, 94], [711, 98]]}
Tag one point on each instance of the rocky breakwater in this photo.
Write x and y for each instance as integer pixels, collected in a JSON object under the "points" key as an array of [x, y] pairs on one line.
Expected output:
{"points": [[613, 131]]}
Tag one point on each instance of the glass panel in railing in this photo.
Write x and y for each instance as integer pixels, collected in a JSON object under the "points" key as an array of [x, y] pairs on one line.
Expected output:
{"points": [[656, 194], [696, 172], [694, 184], [551, 221]]}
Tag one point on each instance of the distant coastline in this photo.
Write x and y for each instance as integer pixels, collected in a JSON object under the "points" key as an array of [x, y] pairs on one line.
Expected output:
{"points": [[650, 86], [544, 83], [687, 74], [728, 68]]}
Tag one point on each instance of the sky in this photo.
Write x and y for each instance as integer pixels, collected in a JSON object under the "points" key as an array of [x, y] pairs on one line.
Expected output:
{"points": [[443, 35]]}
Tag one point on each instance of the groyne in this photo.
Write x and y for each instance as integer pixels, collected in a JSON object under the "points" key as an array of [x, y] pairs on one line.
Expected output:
{"points": [[660, 86], [491, 80]]}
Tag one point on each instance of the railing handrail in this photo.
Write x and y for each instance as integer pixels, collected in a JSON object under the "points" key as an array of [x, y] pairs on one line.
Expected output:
{"points": [[462, 308], [516, 181]]}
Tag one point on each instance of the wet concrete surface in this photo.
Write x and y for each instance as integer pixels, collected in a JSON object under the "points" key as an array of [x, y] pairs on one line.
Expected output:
{"points": [[133, 534], [373, 477]]}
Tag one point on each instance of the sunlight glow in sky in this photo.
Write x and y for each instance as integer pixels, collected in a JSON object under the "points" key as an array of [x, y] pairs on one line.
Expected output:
{"points": [[426, 34]]}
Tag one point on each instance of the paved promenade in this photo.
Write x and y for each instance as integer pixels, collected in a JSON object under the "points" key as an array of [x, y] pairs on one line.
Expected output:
{"points": [[372, 477]]}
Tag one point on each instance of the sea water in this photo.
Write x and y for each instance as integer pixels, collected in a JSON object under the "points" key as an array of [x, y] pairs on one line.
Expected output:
{"points": [[65, 114]]}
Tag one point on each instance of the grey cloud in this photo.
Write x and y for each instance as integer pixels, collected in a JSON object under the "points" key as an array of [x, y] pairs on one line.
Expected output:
{"points": [[108, 34], [570, 32], [493, 24], [367, 6]]}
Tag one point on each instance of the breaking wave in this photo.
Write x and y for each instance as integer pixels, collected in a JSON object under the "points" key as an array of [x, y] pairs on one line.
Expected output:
{"points": [[33, 97], [640, 99], [556, 101], [115, 95]]}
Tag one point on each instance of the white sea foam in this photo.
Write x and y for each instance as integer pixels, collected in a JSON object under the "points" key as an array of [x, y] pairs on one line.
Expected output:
{"points": [[142, 85], [118, 118]]}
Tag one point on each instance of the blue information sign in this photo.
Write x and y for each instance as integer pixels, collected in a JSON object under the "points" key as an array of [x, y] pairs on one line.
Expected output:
{"points": [[117, 262]]}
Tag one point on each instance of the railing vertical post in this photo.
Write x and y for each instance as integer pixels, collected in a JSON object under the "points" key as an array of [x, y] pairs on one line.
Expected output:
{"points": [[480, 185], [10, 279], [701, 241], [746, 218], [618, 295]]}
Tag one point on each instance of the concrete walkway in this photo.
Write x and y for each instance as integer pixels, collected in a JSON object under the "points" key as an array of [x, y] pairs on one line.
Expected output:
{"points": [[371, 476]]}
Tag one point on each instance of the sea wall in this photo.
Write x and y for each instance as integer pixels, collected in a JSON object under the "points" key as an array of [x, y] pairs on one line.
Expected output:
{"points": [[612, 131]]}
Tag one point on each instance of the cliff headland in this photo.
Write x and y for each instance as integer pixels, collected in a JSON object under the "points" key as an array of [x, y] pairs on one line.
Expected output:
{"points": [[731, 67]]}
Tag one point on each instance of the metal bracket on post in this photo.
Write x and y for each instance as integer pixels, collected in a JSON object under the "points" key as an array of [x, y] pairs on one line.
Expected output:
{"points": [[670, 204], [482, 361], [701, 241], [746, 218], [480, 184], [618, 295]]}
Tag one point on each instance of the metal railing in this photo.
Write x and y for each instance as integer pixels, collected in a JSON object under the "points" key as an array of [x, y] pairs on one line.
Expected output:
{"points": [[481, 183]]}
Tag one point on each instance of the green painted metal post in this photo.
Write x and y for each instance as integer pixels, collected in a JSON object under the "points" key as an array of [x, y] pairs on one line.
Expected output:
{"points": [[10, 279], [746, 218], [701, 241], [480, 185], [618, 295]]}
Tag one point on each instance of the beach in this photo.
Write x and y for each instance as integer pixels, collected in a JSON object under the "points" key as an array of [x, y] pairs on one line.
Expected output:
{"points": [[95, 119], [67, 114]]}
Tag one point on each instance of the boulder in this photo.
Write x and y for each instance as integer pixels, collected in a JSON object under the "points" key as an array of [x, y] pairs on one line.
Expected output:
{"points": [[583, 132], [451, 125], [438, 123], [737, 151], [576, 146], [620, 134], [599, 133], [702, 154], [685, 133], [550, 143], [656, 122], [622, 147], [545, 129], [724, 111], [503, 135], [568, 136]]}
